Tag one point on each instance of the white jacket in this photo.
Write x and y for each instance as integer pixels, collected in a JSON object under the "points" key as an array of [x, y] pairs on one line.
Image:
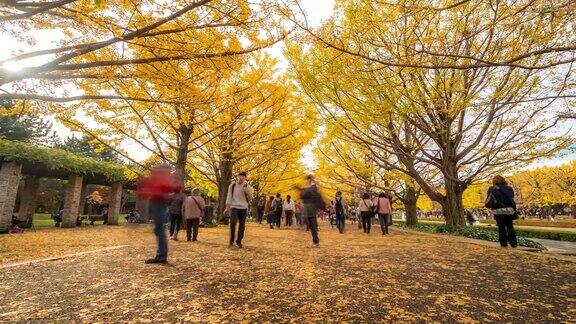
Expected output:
{"points": [[288, 205]]}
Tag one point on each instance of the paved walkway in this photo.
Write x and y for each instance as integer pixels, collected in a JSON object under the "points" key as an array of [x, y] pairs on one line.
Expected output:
{"points": [[554, 249], [559, 247]]}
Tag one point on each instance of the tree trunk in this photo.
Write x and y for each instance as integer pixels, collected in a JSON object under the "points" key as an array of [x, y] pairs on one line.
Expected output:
{"points": [[224, 180], [410, 200], [182, 155], [452, 206]]}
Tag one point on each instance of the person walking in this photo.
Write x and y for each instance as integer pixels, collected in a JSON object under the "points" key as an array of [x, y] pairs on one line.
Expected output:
{"points": [[237, 201], [339, 211], [158, 188], [383, 210], [298, 212], [288, 210], [312, 202], [175, 212], [193, 210], [366, 212], [260, 211], [500, 199], [278, 206], [268, 212]]}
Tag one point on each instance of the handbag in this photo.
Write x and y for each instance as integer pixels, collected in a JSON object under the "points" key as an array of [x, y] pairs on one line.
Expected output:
{"points": [[370, 209], [198, 205], [502, 206]]}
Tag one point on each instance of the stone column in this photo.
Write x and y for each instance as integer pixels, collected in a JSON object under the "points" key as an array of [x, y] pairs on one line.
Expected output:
{"points": [[28, 198], [114, 203], [83, 195], [9, 179], [72, 200], [142, 207]]}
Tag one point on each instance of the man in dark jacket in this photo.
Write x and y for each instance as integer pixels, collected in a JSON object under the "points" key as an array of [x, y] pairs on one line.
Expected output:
{"points": [[312, 202]]}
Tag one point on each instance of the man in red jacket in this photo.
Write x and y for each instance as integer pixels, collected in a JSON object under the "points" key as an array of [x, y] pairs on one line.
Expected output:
{"points": [[159, 188]]}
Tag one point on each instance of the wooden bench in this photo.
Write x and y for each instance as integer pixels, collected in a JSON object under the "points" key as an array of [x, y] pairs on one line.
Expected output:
{"points": [[95, 218]]}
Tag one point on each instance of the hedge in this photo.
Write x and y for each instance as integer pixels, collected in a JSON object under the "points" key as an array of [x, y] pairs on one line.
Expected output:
{"points": [[57, 159], [549, 235], [474, 232]]}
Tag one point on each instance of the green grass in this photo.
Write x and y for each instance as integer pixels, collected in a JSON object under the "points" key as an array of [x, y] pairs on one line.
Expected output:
{"points": [[45, 220]]}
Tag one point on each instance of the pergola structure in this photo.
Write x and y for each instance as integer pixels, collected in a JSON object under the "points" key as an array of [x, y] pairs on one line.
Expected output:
{"points": [[17, 159]]}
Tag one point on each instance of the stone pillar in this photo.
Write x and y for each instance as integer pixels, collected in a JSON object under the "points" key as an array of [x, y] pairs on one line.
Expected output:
{"points": [[72, 200], [114, 203], [142, 207], [83, 195], [9, 180], [28, 199]]}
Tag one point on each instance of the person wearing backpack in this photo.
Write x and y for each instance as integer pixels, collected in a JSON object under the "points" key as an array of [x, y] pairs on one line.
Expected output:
{"points": [[237, 201], [339, 210], [500, 199], [312, 202], [366, 212], [193, 211], [383, 209], [288, 210], [278, 205]]}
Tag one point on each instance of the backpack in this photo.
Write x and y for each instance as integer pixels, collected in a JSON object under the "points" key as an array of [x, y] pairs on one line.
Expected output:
{"points": [[278, 205], [338, 206], [245, 195]]}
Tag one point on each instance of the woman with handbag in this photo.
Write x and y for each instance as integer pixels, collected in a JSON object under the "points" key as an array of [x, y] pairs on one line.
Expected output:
{"points": [[383, 210], [500, 200], [366, 212], [193, 211]]}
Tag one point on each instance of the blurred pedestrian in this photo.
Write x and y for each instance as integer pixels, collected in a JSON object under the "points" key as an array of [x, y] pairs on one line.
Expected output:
{"points": [[158, 188], [312, 202]]}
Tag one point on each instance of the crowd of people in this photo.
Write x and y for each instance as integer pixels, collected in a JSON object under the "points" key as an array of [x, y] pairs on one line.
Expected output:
{"points": [[167, 196]]}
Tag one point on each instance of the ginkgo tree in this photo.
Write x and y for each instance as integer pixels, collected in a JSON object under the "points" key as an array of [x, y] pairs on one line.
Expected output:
{"points": [[465, 123], [108, 40], [261, 130], [355, 166]]}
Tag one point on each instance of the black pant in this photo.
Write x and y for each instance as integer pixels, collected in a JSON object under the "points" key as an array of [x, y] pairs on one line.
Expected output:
{"points": [[175, 220], [313, 225], [192, 228], [289, 214], [278, 218], [237, 216], [383, 219], [506, 233], [366, 221]]}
